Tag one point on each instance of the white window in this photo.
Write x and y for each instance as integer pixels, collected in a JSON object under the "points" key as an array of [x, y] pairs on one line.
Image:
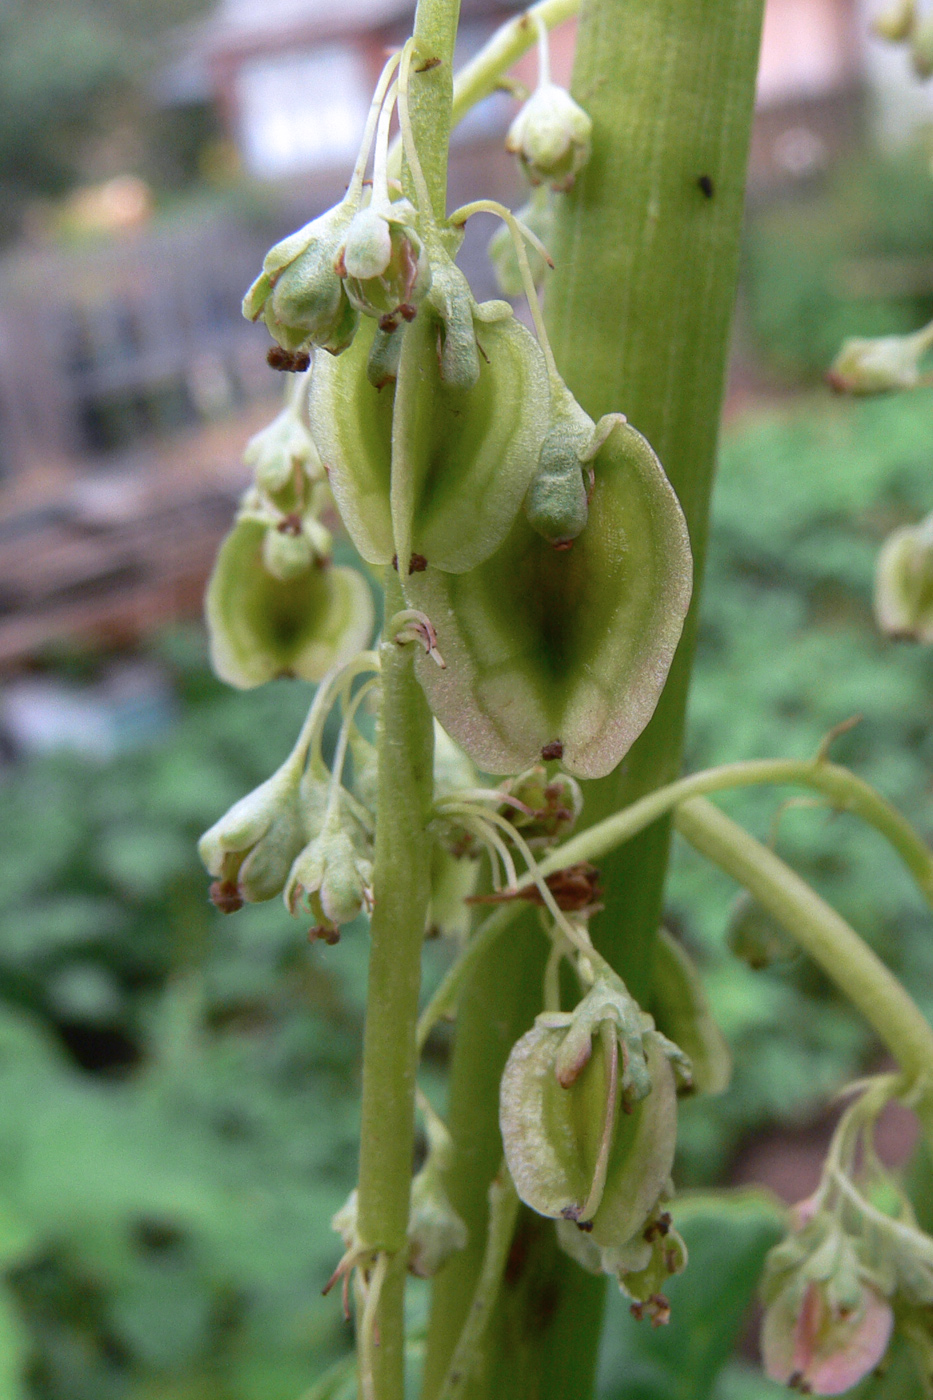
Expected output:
{"points": [[302, 111]]}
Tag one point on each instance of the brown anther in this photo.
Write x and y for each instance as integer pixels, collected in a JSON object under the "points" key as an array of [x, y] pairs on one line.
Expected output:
{"points": [[324, 933], [554, 749], [395, 562], [428, 65], [561, 546], [574, 888], [407, 311], [659, 1310], [340, 266], [658, 1228], [585, 1225], [225, 896], [638, 1311], [389, 322], [290, 361], [290, 525], [797, 1382], [417, 564]]}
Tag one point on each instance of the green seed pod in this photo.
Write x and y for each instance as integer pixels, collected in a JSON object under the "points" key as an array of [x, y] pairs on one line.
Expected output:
{"points": [[298, 294], [383, 262], [538, 215], [755, 936], [279, 450], [551, 137], [464, 457], [554, 1136], [682, 1012], [567, 651], [261, 627], [904, 583], [250, 849], [555, 805]]}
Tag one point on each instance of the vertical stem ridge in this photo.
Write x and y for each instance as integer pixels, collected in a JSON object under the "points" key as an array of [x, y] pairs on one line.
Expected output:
{"points": [[639, 312], [401, 887]]}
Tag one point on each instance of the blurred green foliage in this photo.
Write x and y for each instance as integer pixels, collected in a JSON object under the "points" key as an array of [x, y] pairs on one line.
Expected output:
{"points": [[180, 1089], [849, 255], [77, 101]]}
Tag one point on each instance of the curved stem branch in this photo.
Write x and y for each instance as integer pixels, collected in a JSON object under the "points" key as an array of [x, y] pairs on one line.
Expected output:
{"points": [[822, 933]]}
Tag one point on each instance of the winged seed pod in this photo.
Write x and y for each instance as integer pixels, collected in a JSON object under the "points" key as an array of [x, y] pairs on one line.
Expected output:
{"points": [[464, 457], [299, 294], [569, 648], [551, 135], [904, 583], [262, 627], [573, 1152]]}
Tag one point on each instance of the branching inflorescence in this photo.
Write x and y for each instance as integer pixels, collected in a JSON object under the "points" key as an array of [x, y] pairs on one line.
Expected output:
{"points": [[537, 572]]}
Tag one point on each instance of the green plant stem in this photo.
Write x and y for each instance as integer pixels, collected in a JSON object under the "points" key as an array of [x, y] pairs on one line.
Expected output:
{"points": [[845, 791], [822, 933], [431, 96], [401, 888], [503, 1209]]}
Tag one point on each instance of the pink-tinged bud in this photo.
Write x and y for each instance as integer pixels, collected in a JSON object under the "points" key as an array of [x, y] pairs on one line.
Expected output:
{"points": [[880, 365], [817, 1345]]}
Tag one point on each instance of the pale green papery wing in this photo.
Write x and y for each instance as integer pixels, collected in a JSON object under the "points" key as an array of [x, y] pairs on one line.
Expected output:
{"points": [[571, 646], [261, 627], [464, 457]]}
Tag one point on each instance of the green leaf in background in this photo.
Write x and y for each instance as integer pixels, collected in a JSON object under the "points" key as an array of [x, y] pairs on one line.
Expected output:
{"points": [[727, 1237]]}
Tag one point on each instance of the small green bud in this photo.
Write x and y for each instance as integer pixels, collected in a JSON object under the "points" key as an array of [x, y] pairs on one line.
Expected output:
{"points": [[921, 47], [682, 1012], [554, 803], [880, 365], [298, 294], [262, 627], [896, 23], [331, 877], [250, 849], [551, 136], [755, 936], [557, 503], [280, 450], [538, 215], [904, 583], [384, 265]]}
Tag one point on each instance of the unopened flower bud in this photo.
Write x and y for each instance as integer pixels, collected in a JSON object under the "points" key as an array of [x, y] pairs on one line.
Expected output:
{"points": [[330, 876], [554, 805], [880, 365], [896, 22], [280, 450], [298, 294], [755, 936], [384, 263], [904, 583], [551, 137], [250, 849], [826, 1324]]}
